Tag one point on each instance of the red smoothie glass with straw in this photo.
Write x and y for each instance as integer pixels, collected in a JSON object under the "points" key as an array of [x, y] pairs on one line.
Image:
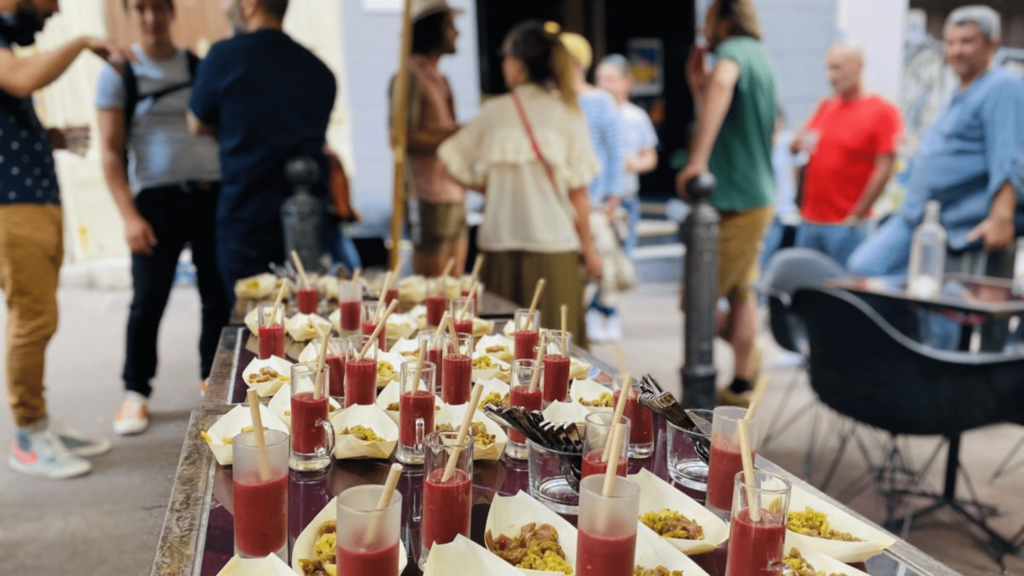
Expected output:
{"points": [[726, 458], [308, 300], [641, 435], [369, 324], [606, 541], [312, 433], [757, 532], [360, 371], [336, 360], [260, 492], [521, 395], [271, 331], [447, 500], [598, 427], [415, 410], [556, 365], [526, 336], [457, 361], [350, 302], [368, 539], [463, 321]]}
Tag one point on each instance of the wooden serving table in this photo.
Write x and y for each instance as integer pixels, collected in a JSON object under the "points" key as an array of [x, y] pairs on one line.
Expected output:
{"points": [[197, 537]]}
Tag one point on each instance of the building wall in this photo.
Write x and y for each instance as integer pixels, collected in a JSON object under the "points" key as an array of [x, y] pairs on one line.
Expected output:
{"points": [[878, 25]]}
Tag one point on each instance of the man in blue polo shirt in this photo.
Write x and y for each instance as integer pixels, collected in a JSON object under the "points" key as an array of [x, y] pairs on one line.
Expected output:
{"points": [[267, 99], [32, 240]]}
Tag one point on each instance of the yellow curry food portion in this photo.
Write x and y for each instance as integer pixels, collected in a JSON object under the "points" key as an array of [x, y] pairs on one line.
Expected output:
{"points": [[536, 547], [364, 433], [483, 362], [656, 571], [385, 370], [672, 524], [477, 429], [810, 522], [267, 374], [495, 399], [606, 400], [325, 550], [802, 566]]}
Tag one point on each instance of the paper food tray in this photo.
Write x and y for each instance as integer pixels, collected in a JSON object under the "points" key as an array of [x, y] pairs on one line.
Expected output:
{"points": [[590, 391], [653, 551], [391, 393], [657, 494], [454, 415], [491, 386], [267, 389], [271, 565], [875, 540], [304, 544], [256, 287], [348, 446], [306, 327], [463, 556], [819, 560], [231, 425], [281, 405], [509, 514], [497, 346]]}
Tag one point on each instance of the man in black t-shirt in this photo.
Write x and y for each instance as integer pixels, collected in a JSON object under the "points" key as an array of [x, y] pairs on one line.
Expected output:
{"points": [[266, 99]]}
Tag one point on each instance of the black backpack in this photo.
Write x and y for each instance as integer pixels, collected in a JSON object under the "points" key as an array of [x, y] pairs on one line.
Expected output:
{"points": [[132, 98]]}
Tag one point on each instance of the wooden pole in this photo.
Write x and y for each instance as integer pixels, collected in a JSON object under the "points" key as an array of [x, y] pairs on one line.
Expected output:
{"points": [[399, 133]]}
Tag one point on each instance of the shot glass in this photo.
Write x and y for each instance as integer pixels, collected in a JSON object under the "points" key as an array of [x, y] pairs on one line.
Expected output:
{"points": [[685, 466], [260, 492], [415, 410], [757, 532], [598, 434], [271, 331], [307, 300], [368, 539], [436, 304], [447, 502], [527, 333], [336, 360], [312, 433], [641, 434], [369, 324], [457, 360], [556, 365], [520, 395], [360, 373], [548, 483], [606, 542], [350, 300], [726, 459], [463, 322]]}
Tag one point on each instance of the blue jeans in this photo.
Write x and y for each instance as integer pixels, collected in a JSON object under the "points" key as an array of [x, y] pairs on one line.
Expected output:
{"points": [[632, 207], [777, 237], [833, 240]]}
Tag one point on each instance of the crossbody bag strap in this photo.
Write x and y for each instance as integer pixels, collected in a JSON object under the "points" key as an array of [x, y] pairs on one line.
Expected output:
{"points": [[533, 141]]}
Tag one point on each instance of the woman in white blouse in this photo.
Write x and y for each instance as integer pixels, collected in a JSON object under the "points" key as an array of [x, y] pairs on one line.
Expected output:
{"points": [[529, 153]]}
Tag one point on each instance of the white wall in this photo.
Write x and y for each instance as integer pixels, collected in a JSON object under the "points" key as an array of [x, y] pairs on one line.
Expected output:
{"points": [[879, 25]]}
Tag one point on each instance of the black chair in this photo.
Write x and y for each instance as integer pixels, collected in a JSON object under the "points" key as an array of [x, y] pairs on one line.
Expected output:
{"points": [[862, 367]]}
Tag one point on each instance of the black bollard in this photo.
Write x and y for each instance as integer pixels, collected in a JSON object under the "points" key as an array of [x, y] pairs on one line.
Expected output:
{"points": [[700, 288], [302, 213]]}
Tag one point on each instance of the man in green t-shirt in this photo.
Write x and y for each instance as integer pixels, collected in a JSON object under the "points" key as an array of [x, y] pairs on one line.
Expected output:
{"points": [[736, 103]]}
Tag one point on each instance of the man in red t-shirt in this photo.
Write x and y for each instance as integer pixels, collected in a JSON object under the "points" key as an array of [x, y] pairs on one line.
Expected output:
{"points": [[851, 139]]}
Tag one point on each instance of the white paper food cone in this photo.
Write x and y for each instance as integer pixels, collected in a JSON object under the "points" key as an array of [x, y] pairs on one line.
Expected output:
{"points": [[303, 548], [400, 326], [509, 329], [590, 391], [412, 289], [822, 562], [279, 365], [578, 369], [256, 287], [335, 320], [219, 436], [875, 540], [306, 327], [508, 514], [482, 327], [327, 286], [657, 494], [405, 347], [463, 556], [481, 374], [419, 316], [566, 412], [653, 551], [281, 405], [497, 346], [311, 353], [453, 415], [389, 368], [390, 394], [491, 386], [252, 321], [348, 446], [271, 565]]}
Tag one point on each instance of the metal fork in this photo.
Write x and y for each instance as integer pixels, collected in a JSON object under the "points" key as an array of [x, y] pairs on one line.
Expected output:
{"points": [[652, 397]]}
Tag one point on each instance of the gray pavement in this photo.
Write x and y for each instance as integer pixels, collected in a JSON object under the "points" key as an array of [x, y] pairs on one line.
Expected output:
{"points": [[108, 522]]}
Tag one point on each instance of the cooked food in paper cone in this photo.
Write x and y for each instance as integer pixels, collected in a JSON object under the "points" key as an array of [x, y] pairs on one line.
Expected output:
{"points": [[281, 405], [578, 369], [497, 346], [388, 399], [412, 290], [507, 518], [270, 565], [256, 287], [656, 555], [306, 327], [873, 541], [311, 353], [660, 502], [463, 556], [400, 326], [267, 376], [407, 348], [389, 367], [808, 561], [316, 537], [571, 412], [482, 327], [327, 285], [486, 367], [364, 432], [495, 392], [591, 395], [335, 319], [252, 321], [419, 316], [489, 438], [509, 330], [535, 548], [222, 433]]}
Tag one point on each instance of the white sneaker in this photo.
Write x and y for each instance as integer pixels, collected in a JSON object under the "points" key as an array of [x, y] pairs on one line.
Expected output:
{"points": [[133, 415], [595, 327], [613, 328], [77, 443], [38, 451]]}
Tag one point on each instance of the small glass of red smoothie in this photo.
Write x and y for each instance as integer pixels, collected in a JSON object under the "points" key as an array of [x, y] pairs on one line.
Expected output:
{"points": [[726, 459], [527, 333], [457, 362], [260, 493], [350, 299], [360, 370], [415, 410], [447, 494], [641, 435], [757, 535], [312, 433], [598, 426], [432, 342], [606, 542], [308, 300], [369, 324], [520, 395], [368, 539], [271, 331], [556, 365], [336, 360], [467, 285], [463, 321]]}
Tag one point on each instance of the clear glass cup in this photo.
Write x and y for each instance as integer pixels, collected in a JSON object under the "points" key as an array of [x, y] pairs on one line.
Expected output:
{"points": [[369, 324], [606, 542], [350, 300], [260, 493], [312, 433], [434, 345], [447, 504], [463, 322], [457, 372], [757, 546], [520, 395], [467, 286], [557, 361], [684, 464], [336, 360], [548, 483], [436, 303], [641, 435], [726, 459], [598, 429], [271, 331], [368, 539], [360, 374], [526, 334], [307, 300], [415, 410]]}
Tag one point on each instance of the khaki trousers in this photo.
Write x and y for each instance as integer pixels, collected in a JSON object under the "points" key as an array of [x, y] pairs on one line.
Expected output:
{"points": [[31, 251]]}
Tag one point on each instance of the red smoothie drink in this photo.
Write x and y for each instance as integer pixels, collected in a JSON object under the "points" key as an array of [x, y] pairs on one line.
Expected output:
{"points": [[360, 563], [446, 507], [592, 464], [521, 396], [641, 430], [723, 466], [753, 545], [261, 515], [413, 405], [308, 300], [458, 379], [271, 341], [435, 309], [434, 355], [360, 382], [391, 296], [351, 315], [526, 344], [464, 327], [307, 435], [476, 298], [337, 383], [556, 378], [600, 556], [369, 327]]}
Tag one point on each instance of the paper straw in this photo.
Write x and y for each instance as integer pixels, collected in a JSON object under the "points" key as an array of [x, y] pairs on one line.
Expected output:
{"points": [[355, 283], [318, 381], [300, 268], [565, 329], [536, 369], [760, 388], [613, 461], [383, 294], [376, 331], [442, 281], [419, 368], [383, 502], [454, 334], [620, 358], [748, 471], [277, 303], [445, 319], [453, 460], [262, 460], [533, 305], [620, 409], [469, 298], [478, 265]]}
